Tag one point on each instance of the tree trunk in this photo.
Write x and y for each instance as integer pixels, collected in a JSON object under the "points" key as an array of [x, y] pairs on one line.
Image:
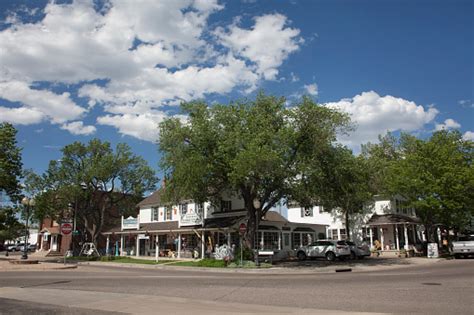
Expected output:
{"points": [[348, 229]]}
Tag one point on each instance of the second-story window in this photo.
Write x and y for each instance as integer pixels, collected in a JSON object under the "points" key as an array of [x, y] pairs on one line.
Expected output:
{"points": [[306, 212], [226, 205], [199, 208], [168, 214], [183, 208], [154, 214]]}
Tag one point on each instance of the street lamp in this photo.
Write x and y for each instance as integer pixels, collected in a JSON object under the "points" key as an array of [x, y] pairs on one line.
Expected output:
{"points": [[27, 202], [257, 204]]}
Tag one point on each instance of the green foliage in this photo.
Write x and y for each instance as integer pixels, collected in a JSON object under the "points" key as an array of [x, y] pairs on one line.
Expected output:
{"points": [[93, 179], [10, 228], [248, 264], [258, 150], [10, 162], [247, 254], [210, 263], [435, 176]]}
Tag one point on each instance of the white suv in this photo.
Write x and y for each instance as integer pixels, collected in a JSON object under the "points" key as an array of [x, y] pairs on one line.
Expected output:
{"points": [[328, 249]]}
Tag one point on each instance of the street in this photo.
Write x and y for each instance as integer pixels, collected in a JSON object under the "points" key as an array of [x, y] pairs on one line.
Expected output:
{"points": [[443, 287]]}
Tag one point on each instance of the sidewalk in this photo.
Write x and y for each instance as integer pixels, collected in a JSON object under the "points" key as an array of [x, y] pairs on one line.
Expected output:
{"points": [[5, 265]]}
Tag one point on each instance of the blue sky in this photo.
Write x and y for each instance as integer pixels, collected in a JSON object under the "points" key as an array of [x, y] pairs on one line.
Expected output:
{"points": [[72, 71]]}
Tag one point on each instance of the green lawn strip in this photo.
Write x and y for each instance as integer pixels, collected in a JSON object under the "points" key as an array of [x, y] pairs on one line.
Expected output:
{"points": [[211, 263], [128, 260]]}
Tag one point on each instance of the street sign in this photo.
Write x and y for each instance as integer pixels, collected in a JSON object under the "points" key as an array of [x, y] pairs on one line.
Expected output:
{"points": [[66, 228], [242, 228]]}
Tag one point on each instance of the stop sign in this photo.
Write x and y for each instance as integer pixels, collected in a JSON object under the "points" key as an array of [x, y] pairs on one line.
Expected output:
{"points": [[66, 228], [242, 228]]}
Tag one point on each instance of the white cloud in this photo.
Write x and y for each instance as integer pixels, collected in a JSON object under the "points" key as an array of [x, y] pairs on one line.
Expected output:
{"points": [[312, 89], [21, 116], [268, 43], [375, 115], [466, 103], [448, 124], [294, 77], [468, 135], [38, 104], [142, 126], [78, 128]]}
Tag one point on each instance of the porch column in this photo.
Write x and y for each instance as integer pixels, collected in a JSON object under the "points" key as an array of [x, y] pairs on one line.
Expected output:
{"points": [[396, 237], [137, 247], [228, 239], [203, 243], [121, 245], [262, 243], [382, 239], [41, 243], [371, 237], [107, 244], [179, 245], [157, 248], [279, 241], [405, 234]]}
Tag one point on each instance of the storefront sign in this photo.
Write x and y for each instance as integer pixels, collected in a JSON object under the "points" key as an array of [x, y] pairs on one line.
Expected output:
{"points": [[433, 250], [129, 223], [190, 218]]}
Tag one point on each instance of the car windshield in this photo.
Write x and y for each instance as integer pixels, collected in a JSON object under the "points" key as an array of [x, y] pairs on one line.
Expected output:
{"points": [[341, 243]]}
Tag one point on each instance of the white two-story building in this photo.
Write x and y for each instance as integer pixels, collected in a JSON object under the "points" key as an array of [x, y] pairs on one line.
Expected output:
{"points": [[386, 220], [189, 230]]}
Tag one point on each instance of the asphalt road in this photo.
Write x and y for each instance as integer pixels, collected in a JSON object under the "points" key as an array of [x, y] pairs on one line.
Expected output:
{"points": [[445, 287]]}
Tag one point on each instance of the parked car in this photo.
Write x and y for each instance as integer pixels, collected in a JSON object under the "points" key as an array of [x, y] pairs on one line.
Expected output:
{"points": [[32, 247], [463, 247], [19, 247], [11, 247], [328, 249], [358, 251]]}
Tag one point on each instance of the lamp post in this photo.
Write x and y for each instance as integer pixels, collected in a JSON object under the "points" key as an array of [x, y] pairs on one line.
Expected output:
{"points": [[256, 204], [27, 202]]}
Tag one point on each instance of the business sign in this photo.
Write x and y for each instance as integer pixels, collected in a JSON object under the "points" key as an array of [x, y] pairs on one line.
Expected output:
{"points": [[190, 218], [66, 228], [242, 228], [433, 250], [129, 223]]}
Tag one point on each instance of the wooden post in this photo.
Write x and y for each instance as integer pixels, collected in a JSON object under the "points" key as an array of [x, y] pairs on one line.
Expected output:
{"points": [[382, 238], [137, 247], [396, 237], [179, 245], [107, 245], [121, 245], [405, 234], [371, 237]]}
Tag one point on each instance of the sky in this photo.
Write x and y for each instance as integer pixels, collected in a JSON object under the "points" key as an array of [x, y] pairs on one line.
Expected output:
{"points": [[76, 70]]}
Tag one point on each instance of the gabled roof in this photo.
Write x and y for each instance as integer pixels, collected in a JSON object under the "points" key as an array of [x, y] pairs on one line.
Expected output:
{"points": [[153, 200], [390, 219]]}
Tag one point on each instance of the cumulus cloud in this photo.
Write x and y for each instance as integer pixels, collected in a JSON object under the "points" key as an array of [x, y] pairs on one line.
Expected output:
{"points": [[468, 135], [374, 115], [312, 89], [448, 124], [78, 128], [268, 43], [145, 54]]}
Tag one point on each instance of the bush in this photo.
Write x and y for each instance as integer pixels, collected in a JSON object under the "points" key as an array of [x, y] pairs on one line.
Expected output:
{"points": [[247, 254], [248, 264]]}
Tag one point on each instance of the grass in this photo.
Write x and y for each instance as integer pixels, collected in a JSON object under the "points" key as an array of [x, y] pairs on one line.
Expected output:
{"points": [[123, 260], [211, 263]]}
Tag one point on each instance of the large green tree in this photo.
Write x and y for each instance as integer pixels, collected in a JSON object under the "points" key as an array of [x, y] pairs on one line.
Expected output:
{"points": [[10, 162], [435, 175], [10, 227], [260, 150], [94, 179], [346, 188]]}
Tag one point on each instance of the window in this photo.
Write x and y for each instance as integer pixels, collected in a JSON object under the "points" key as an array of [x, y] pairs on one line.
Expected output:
{"points": [[154, 214], [168, 214], [199, 208], [343, 234], [183, 208], [286, 239], [296, 240], [226, 205], [306, 212], [334, 235], [270, 240]]}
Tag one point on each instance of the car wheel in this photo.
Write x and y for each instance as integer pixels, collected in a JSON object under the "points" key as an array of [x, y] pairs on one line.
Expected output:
{"points": [[330, 256], [301, 256], [353, 255]]}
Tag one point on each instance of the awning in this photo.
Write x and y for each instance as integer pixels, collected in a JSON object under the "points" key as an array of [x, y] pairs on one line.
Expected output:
{"points": [[50, 230], [392, 219]]}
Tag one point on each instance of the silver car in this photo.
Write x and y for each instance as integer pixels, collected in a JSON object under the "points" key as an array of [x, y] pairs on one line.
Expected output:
{"points": [[328, 249], [358, 251]]}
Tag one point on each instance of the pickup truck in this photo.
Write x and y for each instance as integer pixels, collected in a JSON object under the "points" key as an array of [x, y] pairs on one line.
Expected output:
{"points": [[463, 247]]}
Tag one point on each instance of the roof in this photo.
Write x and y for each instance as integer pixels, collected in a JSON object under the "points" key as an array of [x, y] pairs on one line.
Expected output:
{"points": [[152, 200], [390, 219], [50, 230], [274, 216]]}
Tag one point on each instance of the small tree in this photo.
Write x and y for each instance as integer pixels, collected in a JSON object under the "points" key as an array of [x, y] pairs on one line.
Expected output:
{"points": [[259, 150], [10, 162]]}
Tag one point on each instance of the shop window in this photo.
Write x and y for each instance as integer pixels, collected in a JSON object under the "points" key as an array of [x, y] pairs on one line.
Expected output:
{"points": [[307, 212], [286, 239], [199, 208], [296, 240], [270, 240], [154, 214]]}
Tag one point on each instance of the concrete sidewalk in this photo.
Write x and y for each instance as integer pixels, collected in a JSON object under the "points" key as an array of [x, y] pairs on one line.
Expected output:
{"points": [[146, 304], [5, 265]]}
